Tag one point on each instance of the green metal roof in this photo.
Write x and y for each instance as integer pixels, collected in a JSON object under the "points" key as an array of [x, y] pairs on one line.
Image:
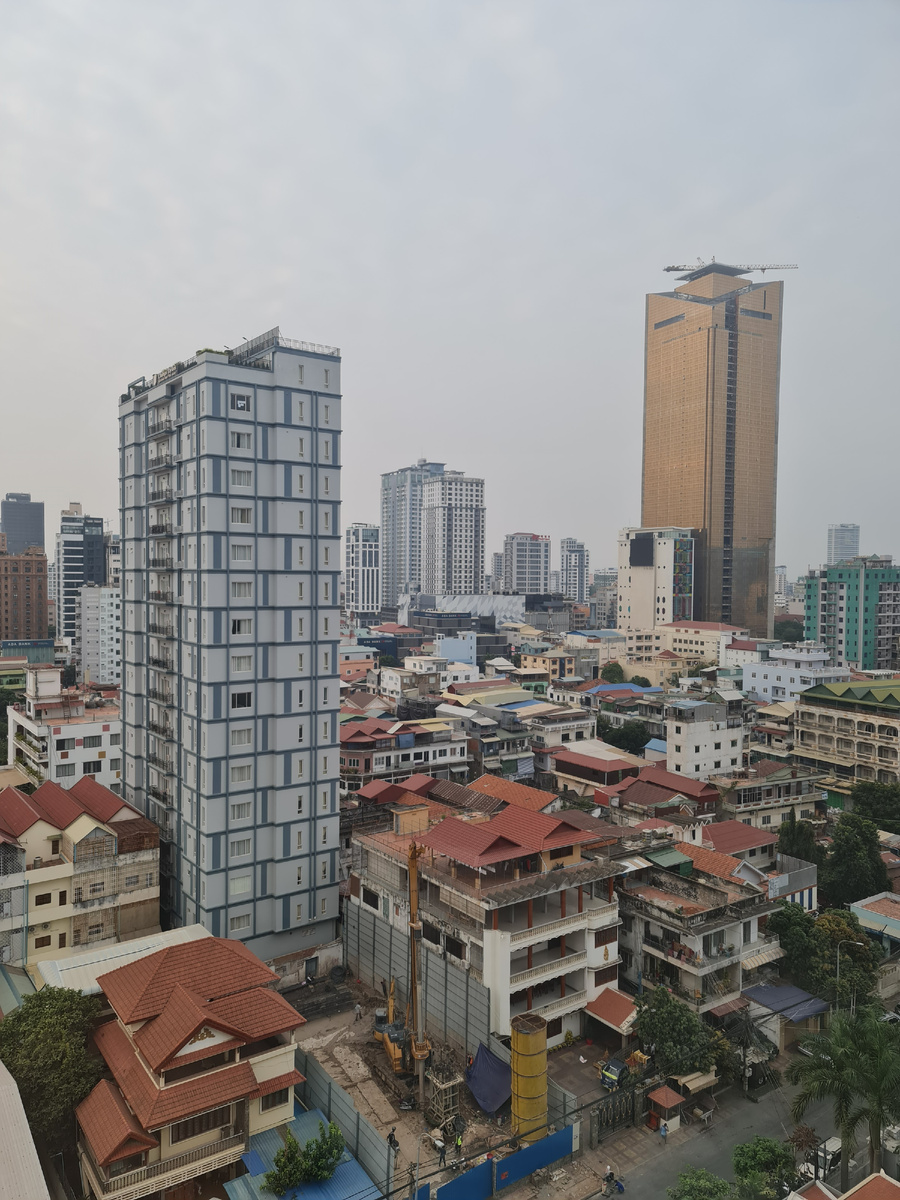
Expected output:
{"points": [[668, 858], [881, 695]]}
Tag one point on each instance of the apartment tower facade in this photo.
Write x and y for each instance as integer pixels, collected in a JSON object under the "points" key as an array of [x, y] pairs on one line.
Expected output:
{"points": [[574, 570], [711, 378], [843, 543], [655, 577], [230, 492], [401, 529], [362, 572], [80, 559], [526, 563], [22, 520], [453, 517]]}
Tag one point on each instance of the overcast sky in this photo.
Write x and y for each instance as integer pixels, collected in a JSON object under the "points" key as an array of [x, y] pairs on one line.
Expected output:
{"points": [[471, 200]]}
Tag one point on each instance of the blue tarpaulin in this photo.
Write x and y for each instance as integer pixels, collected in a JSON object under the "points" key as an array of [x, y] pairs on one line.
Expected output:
{"points": [[792, 1003], [489, 1080]]}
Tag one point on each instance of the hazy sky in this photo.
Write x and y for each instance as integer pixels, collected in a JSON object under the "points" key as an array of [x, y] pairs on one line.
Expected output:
{"points": [[471, 200]]}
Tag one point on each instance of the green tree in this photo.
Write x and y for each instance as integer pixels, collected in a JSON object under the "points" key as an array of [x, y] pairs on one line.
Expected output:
{"points": [[789, 630], [856, 1065], [859, 963], [612, 673], [633, 736], [796, 933], [640, 681], [767, 1161], [798, 839], [681, 1042], [854, 867], [878, 803], [44, 1045], [387, 660], [696, 1183], [312, 1163]]}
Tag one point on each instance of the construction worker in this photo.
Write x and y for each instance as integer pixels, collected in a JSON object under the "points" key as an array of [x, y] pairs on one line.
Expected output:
{"points": [[459, 1145], [442, 1153], [391, 1140], [358, 1011]]}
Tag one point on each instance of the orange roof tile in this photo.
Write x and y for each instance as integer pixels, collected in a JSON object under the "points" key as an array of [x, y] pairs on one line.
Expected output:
{"points": [[711, 861], [268, 1086], [665, 1097], [154, 1106], [212, 967], [612, 1007], [730, 836], [112, 1131], [258, 1013], [184, 1014], [514, 793], [99, 801]]}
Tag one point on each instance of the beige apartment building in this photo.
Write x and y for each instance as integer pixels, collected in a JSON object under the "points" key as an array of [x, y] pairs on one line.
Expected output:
{"points": [[712, 362], [850, 730]]}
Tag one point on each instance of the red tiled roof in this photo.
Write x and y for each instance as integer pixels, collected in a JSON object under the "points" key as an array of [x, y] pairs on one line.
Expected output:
{"points": [[393, 627], [738, 645], [112, 1131], [54, 805], [710, 861], [730, 837], [876, 1187], [268, 1086], [212, 967], [604, 765], [613, 1007], [665, 1097], [514, 793], [668, 654], [601, 830], [436, 810], [184, 1014], [370, 728], [476, 845], [678, 783], [155, 1107], [652, 823], [258, 1013], [420, 784], [100, 802], [538, 831], [374, 790]]}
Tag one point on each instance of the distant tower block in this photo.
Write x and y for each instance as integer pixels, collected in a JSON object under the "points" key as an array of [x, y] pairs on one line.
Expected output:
{"points": [[529, 1076]]}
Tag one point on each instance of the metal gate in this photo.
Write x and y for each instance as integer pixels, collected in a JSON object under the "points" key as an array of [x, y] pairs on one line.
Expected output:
{"points": [[611, 1113]]}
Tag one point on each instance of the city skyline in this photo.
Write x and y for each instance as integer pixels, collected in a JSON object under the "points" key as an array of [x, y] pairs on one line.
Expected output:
{"points": [[503, 284]]}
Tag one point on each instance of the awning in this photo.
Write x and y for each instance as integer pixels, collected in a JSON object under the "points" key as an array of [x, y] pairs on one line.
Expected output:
{"points": [[697, 1081], [770, 954], [730, 1006]]}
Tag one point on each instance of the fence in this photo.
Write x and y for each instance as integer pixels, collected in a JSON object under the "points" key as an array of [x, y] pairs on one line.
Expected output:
{"points": [[364, 1142], [491, 1176], [457, 1007]]}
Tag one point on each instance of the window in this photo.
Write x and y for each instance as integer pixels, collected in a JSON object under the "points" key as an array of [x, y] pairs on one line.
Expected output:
{"points": [[241, 774], [92, 768], [44, 898], [54, 846], [115, 739], [324, 802], [64, 770], [115, 764], [239, 848], [65, 743], [767, 819], [219, 1117], [325, 837], [299, 839], [241, 699], [323, 908], [241, 591], [241, 737], [300, 589], [242, 662], [747, 932], [241, 553], [298, 913], [299, 876], [299, 556], [241, 478], [370, 898], [241, 516], [240, 812], [96, 889], [240, 403], [717, 745], [324, 871], [41, 942], [62, 941], [273, 1100], [603, 937], [299, 805], [606, 975], [131, 881], [242, 625], [240, 886]]}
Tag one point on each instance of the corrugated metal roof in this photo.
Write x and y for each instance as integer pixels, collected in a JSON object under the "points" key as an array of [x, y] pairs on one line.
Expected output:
{"points": [[21, 1175], [668, 858], [80, 971]]}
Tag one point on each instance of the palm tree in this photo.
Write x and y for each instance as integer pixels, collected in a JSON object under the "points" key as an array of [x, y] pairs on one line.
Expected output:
{"points": [[855, 1064], [828, 1073]]}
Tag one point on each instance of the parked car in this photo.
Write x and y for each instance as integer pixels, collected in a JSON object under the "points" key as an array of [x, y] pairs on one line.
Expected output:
{"points": [[893, 1018], [614, 1074], [826, 1157]]}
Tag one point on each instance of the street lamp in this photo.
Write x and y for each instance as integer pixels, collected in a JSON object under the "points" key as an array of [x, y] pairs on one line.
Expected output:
{"points": [[837, 974]]}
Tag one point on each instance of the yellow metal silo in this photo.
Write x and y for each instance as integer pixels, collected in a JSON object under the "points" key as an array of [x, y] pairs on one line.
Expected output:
{"points": [[529, 1076]]}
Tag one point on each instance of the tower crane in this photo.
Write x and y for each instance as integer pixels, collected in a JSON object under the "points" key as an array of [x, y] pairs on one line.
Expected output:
{"points": [[730, 268]]}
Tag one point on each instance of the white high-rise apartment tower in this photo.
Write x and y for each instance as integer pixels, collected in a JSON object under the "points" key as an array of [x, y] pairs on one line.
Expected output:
{"points": [[362, 575], [843, 543], [401, 529], [230, 492], [655, 577], [526, 563], [98, 634], [453, 535], [574, 573]]}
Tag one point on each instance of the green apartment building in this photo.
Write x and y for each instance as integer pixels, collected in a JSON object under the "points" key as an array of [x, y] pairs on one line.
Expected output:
{"points": [[854, 608]]}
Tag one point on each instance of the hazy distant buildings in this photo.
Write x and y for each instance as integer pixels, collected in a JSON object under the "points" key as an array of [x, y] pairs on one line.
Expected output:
{"points": [[655, 577], [80, 559], [401, 529], [843, 543], [712, 361], [98, 634], [574, 570], [453, 518], [526, 563], [22, 520], [362, 572], [23, 594]]}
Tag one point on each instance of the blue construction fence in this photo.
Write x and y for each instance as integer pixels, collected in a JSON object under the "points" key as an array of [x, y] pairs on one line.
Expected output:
{"points": [[495, 1174]]}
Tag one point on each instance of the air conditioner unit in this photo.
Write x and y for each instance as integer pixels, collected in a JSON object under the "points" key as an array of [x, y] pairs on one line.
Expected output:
{"points": [[46, 925], [31, 929]]}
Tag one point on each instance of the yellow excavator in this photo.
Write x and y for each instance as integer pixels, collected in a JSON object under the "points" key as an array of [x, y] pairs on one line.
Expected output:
{"points": [[405, 1044]]}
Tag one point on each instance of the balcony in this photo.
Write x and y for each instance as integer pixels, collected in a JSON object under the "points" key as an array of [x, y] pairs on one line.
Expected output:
{"points": [[161, 529], [154, 428], [161, 564], [162, 462], [161, 664], [161, 696], [568, 1003], [161, 728], [167, 631], [554, 965], [163, 764], [160, 1176], [163, 795], [589, 919], [161, 496], [161, 597]]}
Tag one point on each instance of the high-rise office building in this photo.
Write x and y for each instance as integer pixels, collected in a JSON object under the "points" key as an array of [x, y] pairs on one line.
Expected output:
{"points": [[453, 535], [555, 583], [401, 529], [854, 609], [112, 546], [496, 574], [843, 543], [23, 595], [98, 634], [362, 572], [22, 520], [80, 559], [656, 577], [526, 563], [711, 375], [231, 558], [574, 570]]}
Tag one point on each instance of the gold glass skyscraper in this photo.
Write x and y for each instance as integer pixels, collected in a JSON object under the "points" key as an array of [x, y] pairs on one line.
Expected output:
{"points": [[711, 372]]}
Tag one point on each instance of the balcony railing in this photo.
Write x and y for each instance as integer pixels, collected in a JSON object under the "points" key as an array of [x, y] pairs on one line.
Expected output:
{"points": [[161, 564], [160, 696], [161, 794], [161, 462], [168, 1172], [558, 966], [161, 728], [161, 664], [162, 597], [161, 496], [167, 631], [550, 928], [164, 764], [163, 529], [156, 427], [566, 1003]]}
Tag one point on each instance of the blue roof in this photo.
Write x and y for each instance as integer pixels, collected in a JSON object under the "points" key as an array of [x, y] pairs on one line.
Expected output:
{"points": [[349, 1179], [792, 1003], [599, 633], [656, 744], [517, 704], [687, 703], [617, 687]]}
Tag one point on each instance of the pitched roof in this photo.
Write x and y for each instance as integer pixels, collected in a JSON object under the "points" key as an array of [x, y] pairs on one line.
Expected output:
{"points": [[614, 1008], [710, 861], [475, 845], [604, 765], [678, 783], [731, 837], [112, 1130], [155, 1107], [604, 830], [665, 1097], [278, 1083], [464, 797], [514, 793], [875, 1187], [100, 802], [49, 803], [185, 1013], [538, 831], [212, 968]]}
